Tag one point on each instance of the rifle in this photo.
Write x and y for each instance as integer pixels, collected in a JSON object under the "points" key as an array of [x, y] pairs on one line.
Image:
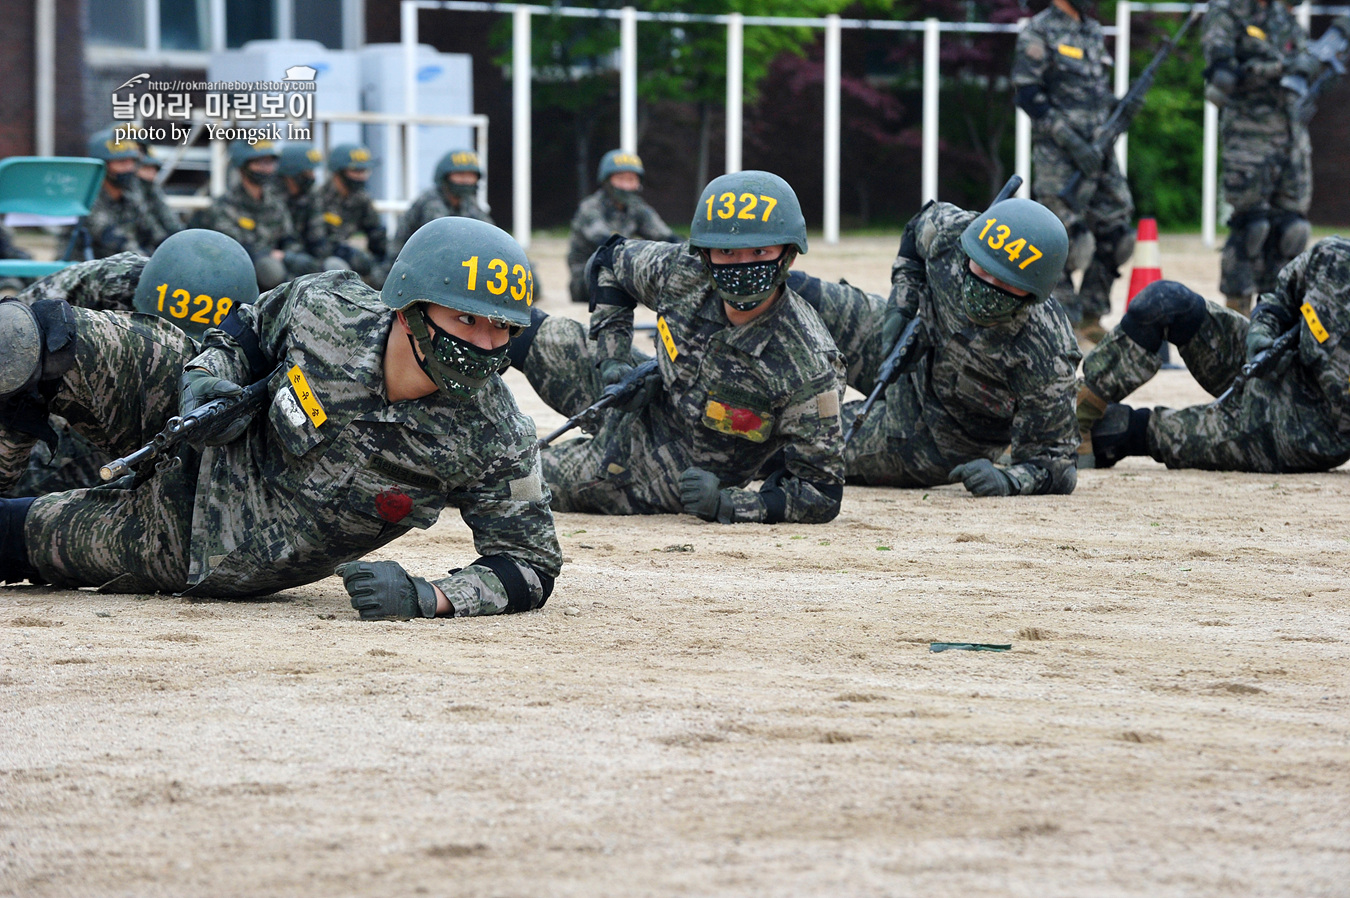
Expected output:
{"points": [[910, 345], [1327, 57], [1118, 122], [1261, 364], [198, 425], [614, 394]]}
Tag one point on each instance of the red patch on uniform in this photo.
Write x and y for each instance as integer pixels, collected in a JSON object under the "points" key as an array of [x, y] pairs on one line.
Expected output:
{"points": [[393, 505], [744, 420]]}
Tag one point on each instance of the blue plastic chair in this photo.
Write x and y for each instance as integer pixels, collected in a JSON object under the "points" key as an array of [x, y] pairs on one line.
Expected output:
{"points": [[58, 186]]}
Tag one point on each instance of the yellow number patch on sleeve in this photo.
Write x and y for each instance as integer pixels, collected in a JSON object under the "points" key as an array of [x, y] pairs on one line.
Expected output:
{"points": [[1253, 31], [1071, 51], [1314, 323], [247, 224], [308, 401], [332, 218], [666, 339]]}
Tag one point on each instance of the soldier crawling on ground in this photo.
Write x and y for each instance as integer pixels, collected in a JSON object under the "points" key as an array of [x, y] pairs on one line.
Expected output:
{"points": [[385, 408]]}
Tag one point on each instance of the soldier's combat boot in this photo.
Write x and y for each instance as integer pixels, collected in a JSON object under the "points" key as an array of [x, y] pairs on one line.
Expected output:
{"points": [[1091, 407], [1121, 432]]}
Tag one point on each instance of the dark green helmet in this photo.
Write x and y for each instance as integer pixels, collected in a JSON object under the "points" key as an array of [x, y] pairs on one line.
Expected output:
{"points": [[748, 209], [350, 155], [194, 279], [298, 158], [458, 161], [466, 265], [104, 145], [616, 161], [1020, 242], [241, 151]]}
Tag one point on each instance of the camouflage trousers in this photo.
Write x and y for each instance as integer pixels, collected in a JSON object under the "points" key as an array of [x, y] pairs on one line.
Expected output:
{"points": [[1276, 424], [119, 393], [615, 471], [1267, 177], [72, 462], [1101, 237]]}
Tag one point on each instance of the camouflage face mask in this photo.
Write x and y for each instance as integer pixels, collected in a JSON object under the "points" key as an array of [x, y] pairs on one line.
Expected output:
{"points": [[463, 191], [618, 196], [456, 366], [986, 304], [746, 284]]}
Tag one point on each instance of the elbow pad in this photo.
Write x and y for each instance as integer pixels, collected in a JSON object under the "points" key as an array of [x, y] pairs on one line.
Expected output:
{"points": [[1031, 100]]}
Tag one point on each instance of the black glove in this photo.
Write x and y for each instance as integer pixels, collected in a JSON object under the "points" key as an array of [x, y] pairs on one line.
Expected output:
{"points": [[701, 496], [382, 590], [983, 478], [1086, 157], [892, 323], [1259, 339], [612, 374], [198, 387]]}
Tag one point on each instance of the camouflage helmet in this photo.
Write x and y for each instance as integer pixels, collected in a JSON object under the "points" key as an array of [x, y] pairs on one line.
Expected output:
{"points": [[616, 161], [466, 265], [350, 155], [242, 152], [1020, 242], [194, 279], [298, 158], [457, 161], [105, 145], [748, 209]]}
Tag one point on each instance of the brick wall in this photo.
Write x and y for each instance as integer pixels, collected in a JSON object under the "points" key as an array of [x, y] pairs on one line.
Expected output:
{"points": [[17, 133]]}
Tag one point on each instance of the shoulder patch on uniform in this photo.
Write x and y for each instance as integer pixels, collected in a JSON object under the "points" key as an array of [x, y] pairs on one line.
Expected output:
{"points": [[382, 465], [827, 404], [1035, 50]]}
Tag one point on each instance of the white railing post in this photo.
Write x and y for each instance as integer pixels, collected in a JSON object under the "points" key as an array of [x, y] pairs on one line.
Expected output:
{"points": [[832, 67], [1303, 15], [931, 75], [628, 138], [1209, 179], [735, 98], [1122, 72], [408, 31], [1022, 141], [44, 93], [520, 117], [480, 146]]}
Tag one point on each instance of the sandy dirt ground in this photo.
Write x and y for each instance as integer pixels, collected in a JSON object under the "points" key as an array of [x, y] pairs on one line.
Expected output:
{"points": [[743, 710]]}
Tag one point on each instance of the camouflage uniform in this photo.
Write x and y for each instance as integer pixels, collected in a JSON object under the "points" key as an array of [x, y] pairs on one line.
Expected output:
{"points": [[34, 461], [596, 219], [1298, 420], [301, 206], [430, 205], [124, 225], [155, 200], [1060, 73], [260, 225], [979, 389], [733, 397], [291, 499], [337, 218], [1267, 156]]}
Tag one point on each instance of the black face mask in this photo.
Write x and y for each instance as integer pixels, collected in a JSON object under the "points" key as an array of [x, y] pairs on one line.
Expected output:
{"points": [[618, 196], [123, 180], [462, 191], [353, 186], [456, 366], [744, 285], [261, 179], [303, 182]]}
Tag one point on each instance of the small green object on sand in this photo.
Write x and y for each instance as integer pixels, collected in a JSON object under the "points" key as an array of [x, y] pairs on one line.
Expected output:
{"points": [[969, 647]]}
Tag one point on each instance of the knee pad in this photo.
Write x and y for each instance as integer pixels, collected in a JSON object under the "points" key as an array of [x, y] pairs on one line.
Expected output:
{"points": [[37, 343], [271, 272], [1122, 246], [1163, 309], [1292, 233], [1082, 245], [1247, 233], [519, 347]]}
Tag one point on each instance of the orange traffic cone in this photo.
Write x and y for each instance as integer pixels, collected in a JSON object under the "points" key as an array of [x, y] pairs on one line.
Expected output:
{"points": [[1147, 260]]}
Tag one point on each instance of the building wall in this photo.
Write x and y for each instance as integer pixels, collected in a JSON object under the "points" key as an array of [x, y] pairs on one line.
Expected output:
{"points": [[17, 60]]}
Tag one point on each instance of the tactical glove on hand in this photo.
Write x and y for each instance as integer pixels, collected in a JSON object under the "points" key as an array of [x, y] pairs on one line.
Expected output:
{"points": [[613, 372], [701, 495], [983, 478], [1086, 157], [382, 590], [197, 387]]}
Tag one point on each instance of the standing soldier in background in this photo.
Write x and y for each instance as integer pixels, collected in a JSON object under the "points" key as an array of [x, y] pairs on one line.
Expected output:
{"points": [[998, 371], [1061, 80], [296, 170], [120, 220], [1267, 157], [616, 208], [254, 213], [342, 210], [155, 200], [454, 191]]}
